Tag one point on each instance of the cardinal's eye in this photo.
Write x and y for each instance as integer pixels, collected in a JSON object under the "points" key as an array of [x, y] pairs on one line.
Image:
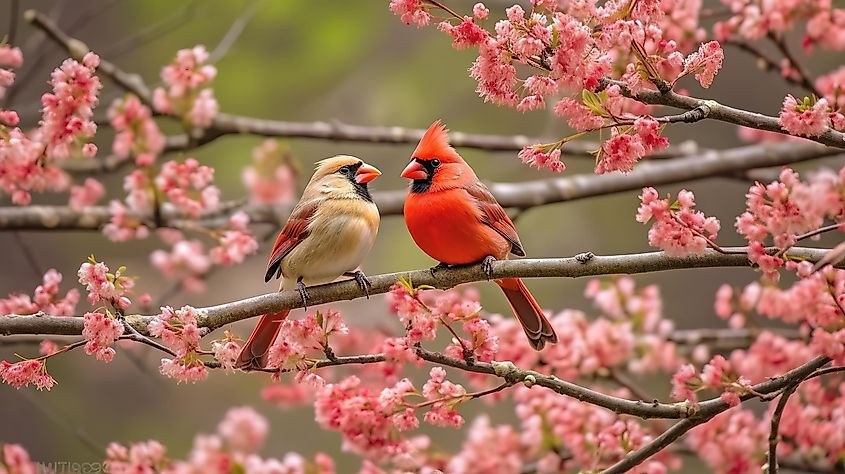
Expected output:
{"points": [[344, 170], [435, 163]]}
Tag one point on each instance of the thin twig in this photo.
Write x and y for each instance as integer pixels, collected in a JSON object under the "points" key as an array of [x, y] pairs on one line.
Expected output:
{"points": [[29, 255], [14, 7], [152, 32], [803, 74], [766, 63], [234, 32], [772, 461], [723, 113]]}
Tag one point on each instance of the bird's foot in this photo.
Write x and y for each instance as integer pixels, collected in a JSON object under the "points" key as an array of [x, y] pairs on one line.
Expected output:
{"points": [[438, 267], [303, 293], [487, 266], [362, 281]]}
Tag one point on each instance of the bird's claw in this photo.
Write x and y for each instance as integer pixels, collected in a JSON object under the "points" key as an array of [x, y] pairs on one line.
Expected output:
{"points": [[303, 293], [438, 267], [362, 281], [584, 257], [487, 266]]}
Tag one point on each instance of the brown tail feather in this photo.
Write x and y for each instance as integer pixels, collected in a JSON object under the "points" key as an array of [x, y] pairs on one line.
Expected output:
{"points": [[255, 351], [538, 329]]}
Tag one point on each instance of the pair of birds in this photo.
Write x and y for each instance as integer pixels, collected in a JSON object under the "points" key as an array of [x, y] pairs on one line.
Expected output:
{"points": [[450, 214]]}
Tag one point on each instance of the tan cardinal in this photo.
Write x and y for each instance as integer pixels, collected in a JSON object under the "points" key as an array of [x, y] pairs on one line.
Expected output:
{"points": [[454, 218], [329, 233]]}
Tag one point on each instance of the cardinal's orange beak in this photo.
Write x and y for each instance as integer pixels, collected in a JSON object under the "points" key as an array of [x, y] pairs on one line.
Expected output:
{"points": [[414, 171], [366, 173]]}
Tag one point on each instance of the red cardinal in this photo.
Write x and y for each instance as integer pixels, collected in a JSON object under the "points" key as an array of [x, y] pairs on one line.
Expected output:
{"points": [[329, 233], [454, 218]]}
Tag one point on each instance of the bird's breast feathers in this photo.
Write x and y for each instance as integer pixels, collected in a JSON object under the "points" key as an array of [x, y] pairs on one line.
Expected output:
{"points": [[448, 226], [340, 235]]}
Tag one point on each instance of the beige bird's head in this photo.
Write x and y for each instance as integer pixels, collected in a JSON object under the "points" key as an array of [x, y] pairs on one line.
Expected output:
{"points": [[342, 174]]}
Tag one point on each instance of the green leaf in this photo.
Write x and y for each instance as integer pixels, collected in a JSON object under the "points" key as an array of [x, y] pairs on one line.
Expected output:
{"points": [[594, 101]]}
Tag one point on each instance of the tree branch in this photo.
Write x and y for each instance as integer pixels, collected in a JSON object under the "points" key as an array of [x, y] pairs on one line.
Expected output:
{"points": [[522, 195], [721, 112], [772, 461], [710, 409], [214, 317]]}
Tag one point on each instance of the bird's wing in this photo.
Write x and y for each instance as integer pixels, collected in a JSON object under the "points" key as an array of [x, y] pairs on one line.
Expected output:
{"points": [[494, 216], [292, 234]]}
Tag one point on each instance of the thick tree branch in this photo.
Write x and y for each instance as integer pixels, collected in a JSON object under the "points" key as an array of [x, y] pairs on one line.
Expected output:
{"points": [[214, 317], [522, 195], [722, 112]]}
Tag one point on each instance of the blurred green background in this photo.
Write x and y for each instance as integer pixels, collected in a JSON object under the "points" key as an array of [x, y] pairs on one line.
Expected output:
{"points": [[316, 60]]}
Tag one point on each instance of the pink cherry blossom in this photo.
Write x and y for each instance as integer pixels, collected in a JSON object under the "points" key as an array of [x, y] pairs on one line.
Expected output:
{"points": [[86, 195], [805, 118], [234, 244], [578, 116], [705, 63], [22, 169], [101, 331], [542, 156], [177, 329], [188, 185], [136, 133], [467, 34], [46, 298], [16, 460], [411, 12], [186, 262], [183, 370], [272, 177], [681, 231], [226, 351], [480, 12], [743, 453], [186, 92], [68, 111], [495, 73], [147, 456], [620, 153], [243, 429], [26, 372], [105, 286], [122, 226]]}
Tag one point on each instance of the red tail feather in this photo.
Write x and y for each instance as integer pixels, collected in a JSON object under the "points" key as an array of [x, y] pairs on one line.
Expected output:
{"points": [[538, 329], [255, 351]]}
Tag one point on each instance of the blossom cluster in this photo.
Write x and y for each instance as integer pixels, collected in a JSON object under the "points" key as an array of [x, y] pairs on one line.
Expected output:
{"points": [[300, 337], [786, 210], [573, 49], [678, 229], [102, 285], [370, 421], [271, 179], [29, 161], [45, 299], [179, 331], [186, 92], [136, 133], [232, 448]]}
